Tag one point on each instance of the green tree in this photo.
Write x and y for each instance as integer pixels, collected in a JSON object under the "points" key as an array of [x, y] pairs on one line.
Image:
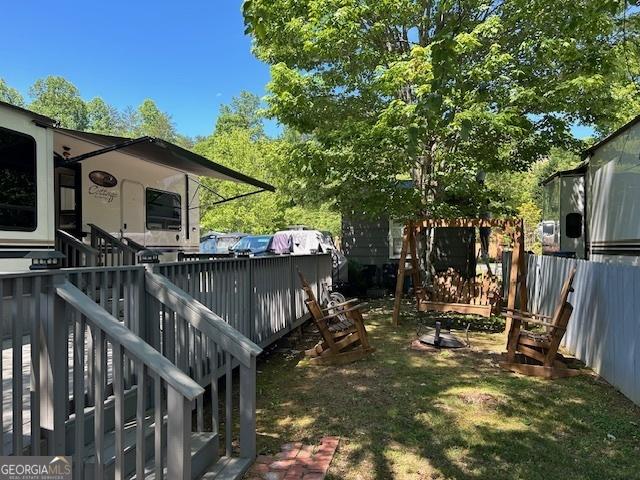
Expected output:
{"points": [[102, 117], [439, 91], [261, 213], [59, 99], [150, 120], [237, 146], [254, 214], [244, 113], [10, 95]]}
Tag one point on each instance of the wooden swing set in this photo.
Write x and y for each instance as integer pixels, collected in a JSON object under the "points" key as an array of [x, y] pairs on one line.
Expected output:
{"points": [[462, 296], [522, 345]]}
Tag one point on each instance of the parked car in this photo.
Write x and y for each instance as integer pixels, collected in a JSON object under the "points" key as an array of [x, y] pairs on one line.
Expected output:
{"points": [[253, 245], [208, 242], [219, 243], [302, 241]]}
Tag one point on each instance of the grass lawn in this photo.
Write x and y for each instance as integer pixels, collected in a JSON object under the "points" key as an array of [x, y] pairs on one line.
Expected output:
{"points": [[444, 414]]}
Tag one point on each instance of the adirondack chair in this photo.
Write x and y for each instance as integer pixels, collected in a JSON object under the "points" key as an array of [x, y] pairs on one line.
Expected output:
{"points": [[540, 346], [344, 337]]}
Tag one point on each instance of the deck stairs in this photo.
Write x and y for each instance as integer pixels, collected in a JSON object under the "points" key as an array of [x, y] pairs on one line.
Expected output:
{"points": [[174, 379], [203, 444]]}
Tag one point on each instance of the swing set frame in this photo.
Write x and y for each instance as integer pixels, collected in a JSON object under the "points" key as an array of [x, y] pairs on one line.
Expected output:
{"points": [[517, 278]]}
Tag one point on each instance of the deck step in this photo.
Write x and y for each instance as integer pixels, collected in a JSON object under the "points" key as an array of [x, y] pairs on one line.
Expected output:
{"points": [[89, 418], [129, 441], [203, 452], [228, 468]]}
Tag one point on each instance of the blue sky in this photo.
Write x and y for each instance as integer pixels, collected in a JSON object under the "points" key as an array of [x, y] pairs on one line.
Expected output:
{"points": [[188, 56]]}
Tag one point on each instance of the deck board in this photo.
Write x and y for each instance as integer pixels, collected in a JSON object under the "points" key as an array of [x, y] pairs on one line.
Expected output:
{"points": [[7, 389]]}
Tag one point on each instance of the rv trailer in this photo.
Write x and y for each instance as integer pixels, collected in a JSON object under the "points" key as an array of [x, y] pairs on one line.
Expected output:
{"points": [[604, 190], [59, 185], [613, 205], [563, 228]]}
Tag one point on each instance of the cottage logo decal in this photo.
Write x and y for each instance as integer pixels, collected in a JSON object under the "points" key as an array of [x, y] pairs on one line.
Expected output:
{"points": [[103, 186], [104, 179], [35, 468]]}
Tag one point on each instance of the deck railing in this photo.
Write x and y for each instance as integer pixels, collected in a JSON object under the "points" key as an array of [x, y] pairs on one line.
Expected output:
{"points": [[111, 250], [169, 383], [203, 345], [261, 297], [95, 355], [75, 339], [76, 252]]}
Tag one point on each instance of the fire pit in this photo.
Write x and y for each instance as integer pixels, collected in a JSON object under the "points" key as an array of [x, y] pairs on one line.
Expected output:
{"points": [[441, 339]]}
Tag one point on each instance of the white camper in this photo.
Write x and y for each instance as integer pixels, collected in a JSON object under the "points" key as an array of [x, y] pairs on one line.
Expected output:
{"points": [[56, 181], [563, 228], [613, 207]]}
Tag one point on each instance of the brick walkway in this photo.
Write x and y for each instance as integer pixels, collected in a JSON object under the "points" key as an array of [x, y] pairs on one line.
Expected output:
{"points": [[296, 462]]}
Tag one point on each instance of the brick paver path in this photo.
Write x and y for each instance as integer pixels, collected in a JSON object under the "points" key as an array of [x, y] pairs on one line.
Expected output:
{"points": [[296, 462]]}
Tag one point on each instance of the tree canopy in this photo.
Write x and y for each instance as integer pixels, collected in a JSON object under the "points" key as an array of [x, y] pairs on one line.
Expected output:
{"points": [[243, 113], [10, 95], [59, 99], [438, 91], [239, 142]]}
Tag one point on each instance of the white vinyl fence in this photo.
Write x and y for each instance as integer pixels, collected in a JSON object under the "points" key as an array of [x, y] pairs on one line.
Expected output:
{"points": [[604, 330]]}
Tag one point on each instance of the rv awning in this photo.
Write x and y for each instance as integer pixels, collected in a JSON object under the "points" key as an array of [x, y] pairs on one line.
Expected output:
{"points": [[581, 169], [161, 152]]}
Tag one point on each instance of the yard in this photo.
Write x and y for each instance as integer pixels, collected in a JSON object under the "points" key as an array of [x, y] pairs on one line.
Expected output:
{"points": [[444, 414]]}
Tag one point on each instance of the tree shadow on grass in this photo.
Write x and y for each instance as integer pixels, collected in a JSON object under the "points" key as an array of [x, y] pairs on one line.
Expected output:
{"points": [[403, 414]]}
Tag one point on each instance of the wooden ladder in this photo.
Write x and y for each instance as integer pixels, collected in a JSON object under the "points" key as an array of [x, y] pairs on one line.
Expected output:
{"points": [[409, 246]]}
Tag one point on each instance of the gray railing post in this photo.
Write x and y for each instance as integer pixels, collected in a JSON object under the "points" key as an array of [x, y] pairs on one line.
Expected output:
{"points": [[318, 286], [178, 435], [53, 367], [253, 333], [292, 287], [248, 409]]}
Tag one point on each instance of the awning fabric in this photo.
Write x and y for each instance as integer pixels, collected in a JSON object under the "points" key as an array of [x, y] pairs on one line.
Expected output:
{"points": [[165, 153]]}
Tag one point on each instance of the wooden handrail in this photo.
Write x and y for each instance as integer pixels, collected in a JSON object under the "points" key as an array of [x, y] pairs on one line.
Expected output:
{"points": [[103, 233], [135, 347], [201, 318], [112, 250], [133, 244], [78, 253], [78, 244]]}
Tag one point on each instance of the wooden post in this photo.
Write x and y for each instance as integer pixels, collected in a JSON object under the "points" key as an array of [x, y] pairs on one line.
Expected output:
{"points": [[415, 266], [178, 435], [53, 363], [401, 272], [516, 278], [248, 410]]}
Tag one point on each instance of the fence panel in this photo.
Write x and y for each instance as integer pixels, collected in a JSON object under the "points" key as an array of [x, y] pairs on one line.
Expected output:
{"points": [[261, 297], [604, 331]]}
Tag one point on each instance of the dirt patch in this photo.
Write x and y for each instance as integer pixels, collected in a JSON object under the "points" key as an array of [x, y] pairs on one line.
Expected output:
{"points": [[481, 399]]}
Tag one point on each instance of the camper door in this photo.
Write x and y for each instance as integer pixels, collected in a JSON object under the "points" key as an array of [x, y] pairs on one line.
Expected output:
{"points": [[132, 202], [572, 211]]}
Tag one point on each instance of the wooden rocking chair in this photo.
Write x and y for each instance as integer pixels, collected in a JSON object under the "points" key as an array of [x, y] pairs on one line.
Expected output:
{"points": [[344, 337], [541, 347]]}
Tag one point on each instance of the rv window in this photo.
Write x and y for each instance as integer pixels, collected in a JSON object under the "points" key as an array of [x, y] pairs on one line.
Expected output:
{"points": [[164, 210], [574, 225], [17, 181]]}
